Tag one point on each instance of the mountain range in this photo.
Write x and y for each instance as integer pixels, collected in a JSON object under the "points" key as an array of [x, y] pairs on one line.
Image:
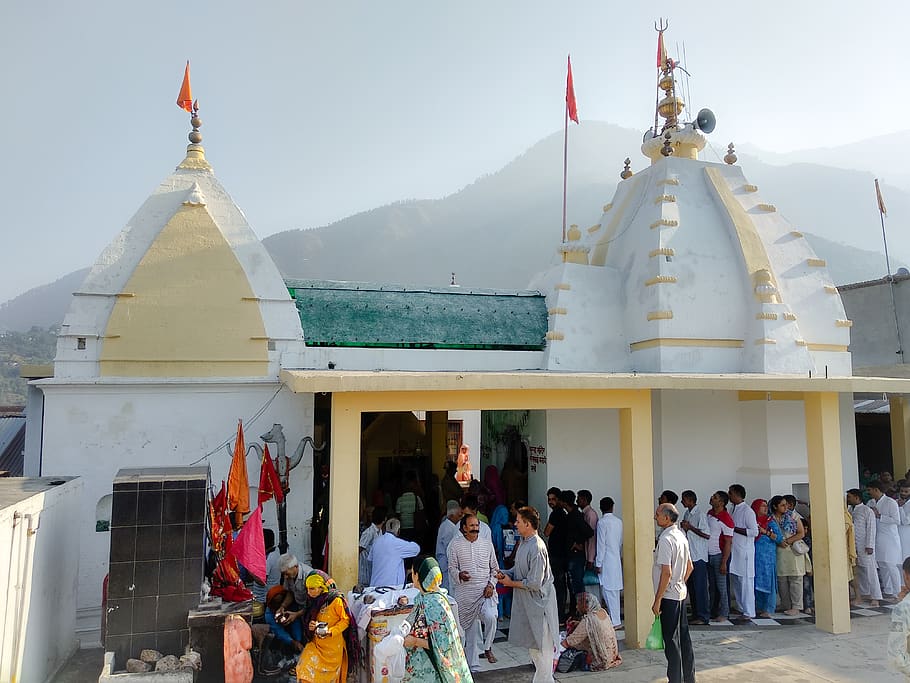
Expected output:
{"points": [[504, 227]]}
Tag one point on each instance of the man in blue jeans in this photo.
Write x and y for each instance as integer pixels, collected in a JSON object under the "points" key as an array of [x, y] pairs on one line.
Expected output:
{"points": [[672, 568]]}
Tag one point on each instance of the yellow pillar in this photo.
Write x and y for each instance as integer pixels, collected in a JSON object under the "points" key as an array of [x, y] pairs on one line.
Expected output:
{"points": [[826, 494], [638, 516], [437, 431], [344, 490], [900, 435]]}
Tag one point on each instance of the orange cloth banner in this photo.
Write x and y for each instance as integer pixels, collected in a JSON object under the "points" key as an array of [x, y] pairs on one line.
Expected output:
{"points": [[238, 482], [185, 98], [570, 95]]}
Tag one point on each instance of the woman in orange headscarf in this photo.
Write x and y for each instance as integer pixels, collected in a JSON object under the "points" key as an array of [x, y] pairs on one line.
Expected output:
{"points": [[333, 649], [464, 464]]}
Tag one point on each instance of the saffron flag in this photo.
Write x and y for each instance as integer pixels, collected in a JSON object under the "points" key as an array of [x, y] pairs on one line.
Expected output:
{"points": [[269, 483], [249, 546], [218, 520], [661, 52], [881, 202], [571, 105], [185, 98], [238, 482]]}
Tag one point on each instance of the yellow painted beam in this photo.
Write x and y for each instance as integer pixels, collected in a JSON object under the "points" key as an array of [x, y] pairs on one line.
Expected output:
{"points": [[771, 396], [493, 399], [344, 491], [900, 435], [637, 473], [826, 493]]}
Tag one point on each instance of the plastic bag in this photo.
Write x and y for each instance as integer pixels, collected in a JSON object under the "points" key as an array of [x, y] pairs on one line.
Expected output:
{"points": [[655, 639]]}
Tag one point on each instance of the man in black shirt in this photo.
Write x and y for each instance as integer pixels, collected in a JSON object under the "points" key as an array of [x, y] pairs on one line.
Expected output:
{"points": [[557, 547], [577, 532]]}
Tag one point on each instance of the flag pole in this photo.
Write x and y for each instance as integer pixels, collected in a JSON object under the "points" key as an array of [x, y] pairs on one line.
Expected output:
{"points": [[565, 171], [897, 325]]}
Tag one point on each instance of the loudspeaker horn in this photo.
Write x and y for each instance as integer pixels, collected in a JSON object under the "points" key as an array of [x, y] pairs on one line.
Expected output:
{"points": [[705, 121]]}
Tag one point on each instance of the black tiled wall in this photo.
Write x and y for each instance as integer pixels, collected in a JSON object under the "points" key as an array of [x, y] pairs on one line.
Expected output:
{"points": [[156, 558]]}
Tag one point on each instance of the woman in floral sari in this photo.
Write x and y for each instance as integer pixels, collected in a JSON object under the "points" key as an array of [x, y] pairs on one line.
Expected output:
{"points": [[433, 648], [769, 535], [329, 654]]}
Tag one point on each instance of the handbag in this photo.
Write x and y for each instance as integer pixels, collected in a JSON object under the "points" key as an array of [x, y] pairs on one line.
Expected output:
{"points": [[799, 547], [655, 639]]}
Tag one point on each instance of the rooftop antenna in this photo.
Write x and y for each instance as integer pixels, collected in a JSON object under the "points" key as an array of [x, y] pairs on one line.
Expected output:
{"points": [[661, 62]]}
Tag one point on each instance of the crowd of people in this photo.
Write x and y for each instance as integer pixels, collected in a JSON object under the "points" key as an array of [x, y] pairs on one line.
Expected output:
{"points": [[559, 579]]}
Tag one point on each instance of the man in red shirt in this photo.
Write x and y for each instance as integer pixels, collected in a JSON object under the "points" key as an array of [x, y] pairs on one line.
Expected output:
{"points": [[720, 524]]}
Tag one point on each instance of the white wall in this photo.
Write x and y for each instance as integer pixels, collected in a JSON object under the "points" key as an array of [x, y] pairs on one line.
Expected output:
{"points": [[535, 433], [38, 579], [93, 430], [583, 453]]}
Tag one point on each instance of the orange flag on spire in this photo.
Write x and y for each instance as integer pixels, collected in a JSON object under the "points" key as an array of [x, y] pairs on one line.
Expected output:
{"points": [[571, 105], [185, 98], [881, 202], [238, 482]]}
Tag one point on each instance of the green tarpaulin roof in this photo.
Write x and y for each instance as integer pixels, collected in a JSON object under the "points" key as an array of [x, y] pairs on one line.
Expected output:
{"points": [[363, 314]]}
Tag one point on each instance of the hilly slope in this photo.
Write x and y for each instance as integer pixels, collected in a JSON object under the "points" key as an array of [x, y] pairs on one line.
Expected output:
{"points": [[504, 227]]}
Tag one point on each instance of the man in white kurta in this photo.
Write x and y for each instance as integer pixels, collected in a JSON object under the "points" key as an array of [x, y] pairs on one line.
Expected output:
{"points": [[867, 585], [903, 528], [448, 529], [608, 560], [742, 556], [887, 539], [472, 575]]}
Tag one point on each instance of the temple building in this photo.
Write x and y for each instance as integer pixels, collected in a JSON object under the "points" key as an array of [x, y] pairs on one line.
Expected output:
{"points": [[690, 338]]}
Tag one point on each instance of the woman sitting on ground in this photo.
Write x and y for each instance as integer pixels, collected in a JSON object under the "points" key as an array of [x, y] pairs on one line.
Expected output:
{"points": [[332, 648], [594, 634], [900, 627], [433, 650]]}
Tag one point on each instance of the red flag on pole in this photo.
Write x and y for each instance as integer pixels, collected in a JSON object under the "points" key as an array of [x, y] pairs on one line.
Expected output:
{"points": [[185, 98], [571, 105], [881, 202], [249, 546], [661, 52], [238, 482], [269, 483]]}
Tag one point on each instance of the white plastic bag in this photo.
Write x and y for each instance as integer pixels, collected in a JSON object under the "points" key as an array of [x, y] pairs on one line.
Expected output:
{"points": [[389, 656]]}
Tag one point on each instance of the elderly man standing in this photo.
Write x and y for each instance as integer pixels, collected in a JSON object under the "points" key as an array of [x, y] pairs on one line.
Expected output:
{"points": [[742, 556], [472, 575], [672, 567], [448, 530], [887, 539], [388, 555], [867, 584], [534, 623], [608, 560]]}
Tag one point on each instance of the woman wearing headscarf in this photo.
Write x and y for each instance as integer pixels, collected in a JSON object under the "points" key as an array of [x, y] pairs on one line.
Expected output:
{"points": [[594, 634], [433, 650], [769, 535], [333, 648], [493, 482], [790, 567]]}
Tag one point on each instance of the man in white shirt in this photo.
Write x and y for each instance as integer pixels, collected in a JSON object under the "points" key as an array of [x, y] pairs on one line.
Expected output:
{"points": [[608, 560], [367, 538], [887, 539], [742, 556], [695, 525], [672, 568], [867, 584], [388, 554], [904, 528], [720, 525], [448, 528]]}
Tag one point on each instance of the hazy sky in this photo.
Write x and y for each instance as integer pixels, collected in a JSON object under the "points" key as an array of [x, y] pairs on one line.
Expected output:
{"points": [[315, 111]]}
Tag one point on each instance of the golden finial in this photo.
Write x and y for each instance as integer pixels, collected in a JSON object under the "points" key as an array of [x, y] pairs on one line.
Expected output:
{"points": [[574, 233], [667, 149], [627, 171], [730, 156]]}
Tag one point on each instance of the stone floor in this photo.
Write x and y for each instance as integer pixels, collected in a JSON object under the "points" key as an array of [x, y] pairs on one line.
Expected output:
{"points": [[789, 649]]}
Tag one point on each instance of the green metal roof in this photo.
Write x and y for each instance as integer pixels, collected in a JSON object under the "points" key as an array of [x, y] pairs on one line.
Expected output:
{"points": [[370, 315]]}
